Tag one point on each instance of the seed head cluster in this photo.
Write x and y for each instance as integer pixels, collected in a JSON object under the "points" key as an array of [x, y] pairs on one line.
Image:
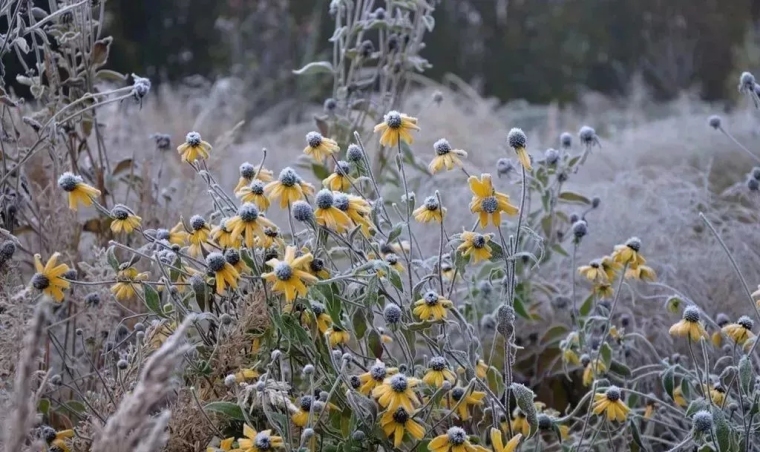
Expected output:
{"points": [[354, 154], [69, 181], [197, 222], [324, 199], [215, 261], [393, 119], [392, 313], [691, 314], [516, 138], [314, 139], [302, 211], [442, 147], [288, 177]]}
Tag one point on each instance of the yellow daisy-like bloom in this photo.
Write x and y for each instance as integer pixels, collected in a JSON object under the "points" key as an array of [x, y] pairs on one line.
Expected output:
{"points": [[649, 409], [520, 423], [290, 276], [517, 141], [604, 290], [498, 443], [465, 401], [79, 192], [224, 445], [59, 441], [487, 202], [741, 331], [396, 392], [610, 267], [262, 441], [432, 306], [396, 423], [194, 148], [323, 320], [357, 209], [594, 272], [475, 245], [396, 127], [642, 272], [224, 273], [690, 325], [375, 377], [254, 194], [301, 416], [318, 269], [272, 238], [223, 236], [610, 403], [319, 147], [438, 372], [570, 357], [592, 369], [249, 173], [431, 210], [678, 397], [392, 260], [445, 157], [125, 288], [716, 392], [454, 440], [629, 253], [249, 224], [177, 235], [328, 215], [232, 256], [49, 278], [339, 180], [244, 375], [198, 236], [447, 271], [288, 188], [124, 219], [337, 336], [481, 369]]}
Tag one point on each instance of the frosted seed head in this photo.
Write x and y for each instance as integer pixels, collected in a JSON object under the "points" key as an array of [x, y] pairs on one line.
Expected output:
{"points": [[354, 154], [587, 135], [504, 166], [355, 381], [314, 139], [400, 416], [457, 394], [69, 181], [516, 138], [489, 204], [566, 140], [197, 222], [431, 203], [341, 201], [691, 314], [248, 212], [580, 229], [431, 298], [479, 241], [330, 105], [318, 308], [745, 322], [215, 262], [247, 171], [714, 121], [552, 156], [302, 211], [391, 258], [613, 393], [283, 271], [544, 421], [193, 138], [263, 441], [342, 168], [437, 363], [393, 119], [392, 313], [120, 212], [7, 250], [746, 82], [305, 403], [442, 147], [257, 187], [399, 383], [40, 281], [324, 199], [288, 177], [753, 184], [232, 256], [378, 372], [457, 436], [702, 421], [634, 243]]}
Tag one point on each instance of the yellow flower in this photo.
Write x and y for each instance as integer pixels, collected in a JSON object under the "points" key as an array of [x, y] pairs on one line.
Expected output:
{"points": [[716, 392], [60, 440], [517, 141], [465, 401], [487, 202], [224, 445], [604, 290], [124, 219], [375, 377], [289, 276], [481, 369], [249, 173], [223, 236], [199, 235], [232, 256], [429, 211], [288, 188], [395, 423], [159, 332], [126, 288], [339, 180], [520, 423], [193, 148], [649, 410], [317, 268], [447, 271], [610, 267], [629, 253], [79, 192], [438, 372], [224, 273], [690, 325], [475, 245], [249, 224], [569, 356], [319, 147], [610, 403], [258, 442], [445, 157], [454, 440], [678, 397], [337, 336], [396, 392], [323, 319], [246, 375], [498, 444], [357, 209], [254, 194], [396, 126], [594, 271], [49, 279], [432, 306], [177, 236], [328, 215], [592, 370], [392, 260], [301, 417], [741, 331], [642, 272]]}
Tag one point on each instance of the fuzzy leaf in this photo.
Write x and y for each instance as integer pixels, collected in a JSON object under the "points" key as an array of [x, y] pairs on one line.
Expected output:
{"points": [[606, 353], [696, 405], [668, 381], [620, 368], [495, 381], [395, 232], [524, 397], [111, 258], [588, 303], [375, 344], [359, 323], [574, 197], [123, 165], [152, 300], [43, 406], [316, 67], [553, 333], [100, 51], [229, 409], [746, 375], [636, 434], [722, 430]]}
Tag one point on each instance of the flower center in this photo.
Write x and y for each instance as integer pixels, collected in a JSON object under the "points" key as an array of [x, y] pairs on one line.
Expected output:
{"points": [[257, 187], [193, 138], [248, 212], [489, 204], [431, 203], [215, 262], [314, 139], [306, 403], [324, 199], [288, 177], [317, 265], [378, 372], [163, 234], [391, 259], [478, 241], [263, 442], [691, 314], [393, 120], [457, 394], [398, 383], [40, 281], [68, 181], [613, 394], [232, 256], [457, 436], [342, 168], [120, 212], [745, 322], [400, 416], [341, 202], [438, 363], [197, 222], [247, 171], [283, 271], [442, 147], [431, 298]]}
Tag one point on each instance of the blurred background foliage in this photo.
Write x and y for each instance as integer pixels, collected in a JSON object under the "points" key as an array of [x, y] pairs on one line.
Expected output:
{"points": [[537, 50]]}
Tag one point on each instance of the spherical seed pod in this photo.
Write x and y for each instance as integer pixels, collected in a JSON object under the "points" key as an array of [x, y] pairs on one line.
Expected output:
{"points": [[714, 121], [230, 381], [392, 313], [354, 154], [122, 364], [302, 211]]}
